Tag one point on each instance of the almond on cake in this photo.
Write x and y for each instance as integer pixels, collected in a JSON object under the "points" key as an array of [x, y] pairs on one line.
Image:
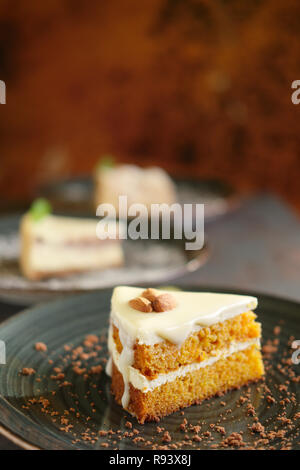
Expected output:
{"points": [[169, 350], [54, 246]]}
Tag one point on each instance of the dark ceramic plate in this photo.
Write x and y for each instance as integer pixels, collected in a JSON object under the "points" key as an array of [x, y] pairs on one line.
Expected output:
{"points": [[146, 261], [75, 195], [87, 399]]}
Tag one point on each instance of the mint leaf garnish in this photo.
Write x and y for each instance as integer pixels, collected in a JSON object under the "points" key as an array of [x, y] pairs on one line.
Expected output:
{"points": [[40, 208], [106, 162]]}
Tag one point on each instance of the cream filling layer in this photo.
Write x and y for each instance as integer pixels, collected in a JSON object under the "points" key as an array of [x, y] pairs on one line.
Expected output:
{"points": [[140, 382], [47, 257]]}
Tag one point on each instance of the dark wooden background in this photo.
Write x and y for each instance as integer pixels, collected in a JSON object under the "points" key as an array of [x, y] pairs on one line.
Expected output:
{"points": [[201, 87]]}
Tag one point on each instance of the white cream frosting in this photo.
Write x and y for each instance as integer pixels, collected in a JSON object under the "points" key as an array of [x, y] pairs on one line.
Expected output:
{"points": [[193, 312], [59, 229]]}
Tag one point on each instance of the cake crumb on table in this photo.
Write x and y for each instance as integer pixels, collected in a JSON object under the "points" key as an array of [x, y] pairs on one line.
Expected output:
{"points": [[28, 371], [40, 347]]}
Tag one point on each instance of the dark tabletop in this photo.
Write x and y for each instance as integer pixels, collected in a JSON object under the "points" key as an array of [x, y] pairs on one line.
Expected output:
{"points": [[255, 248]]}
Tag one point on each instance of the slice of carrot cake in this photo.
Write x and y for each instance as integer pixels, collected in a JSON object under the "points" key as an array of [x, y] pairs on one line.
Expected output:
{"points": [[59, 246], [169, 350], [141, 185]]}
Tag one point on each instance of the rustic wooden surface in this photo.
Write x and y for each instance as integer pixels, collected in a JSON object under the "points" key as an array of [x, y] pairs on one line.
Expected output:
{"points": [[256, 248], [201, 88]]}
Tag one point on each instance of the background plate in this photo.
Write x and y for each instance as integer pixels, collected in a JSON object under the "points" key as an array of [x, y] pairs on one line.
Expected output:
{"points": [[67, 322], [75, 195], [146, 261]]}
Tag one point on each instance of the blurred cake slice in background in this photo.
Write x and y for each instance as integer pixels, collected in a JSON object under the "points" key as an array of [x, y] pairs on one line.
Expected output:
{"points": [[54, 246], [141, 185]]}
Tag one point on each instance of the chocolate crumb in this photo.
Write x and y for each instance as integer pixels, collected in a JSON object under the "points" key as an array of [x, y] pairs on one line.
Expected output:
{"points": [[257, 427], [28, 371], [40, 347], [166, 437]]}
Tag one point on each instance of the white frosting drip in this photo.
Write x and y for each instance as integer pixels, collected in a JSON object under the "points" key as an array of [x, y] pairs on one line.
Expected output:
{"points": [[108, 367], [125, 360]]}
